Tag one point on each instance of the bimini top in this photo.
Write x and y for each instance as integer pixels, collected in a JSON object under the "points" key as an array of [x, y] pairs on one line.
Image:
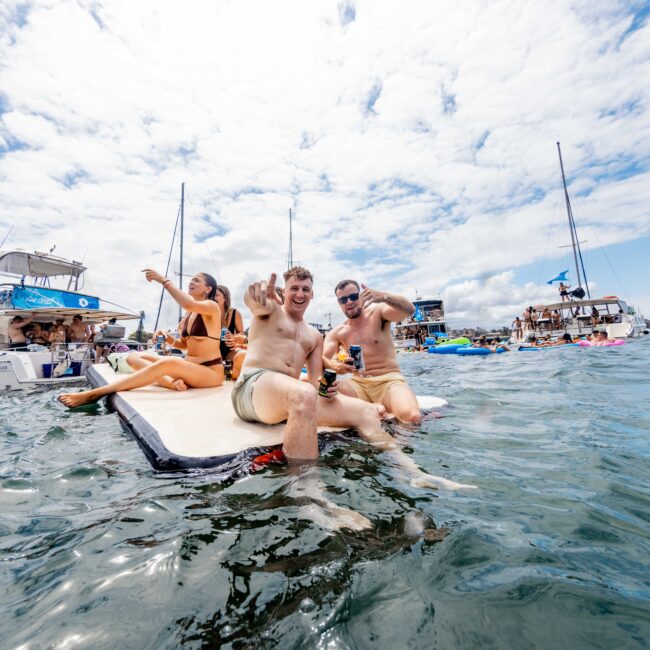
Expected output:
{"points": [[38, 265]]}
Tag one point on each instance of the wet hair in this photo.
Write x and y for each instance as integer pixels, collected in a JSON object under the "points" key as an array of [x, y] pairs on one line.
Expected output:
{"points": [[212, 283], [566, 337], [298, 273], [77, 316], [344, 283], [17, 319], [223, 289]]}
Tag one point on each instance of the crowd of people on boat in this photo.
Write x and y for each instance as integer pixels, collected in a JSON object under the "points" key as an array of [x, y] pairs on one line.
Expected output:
{"points": [[24, 331]]}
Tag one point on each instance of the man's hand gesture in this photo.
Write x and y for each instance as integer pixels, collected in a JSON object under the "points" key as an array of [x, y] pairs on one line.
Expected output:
{"points": [[371, 296], [262, 295]]}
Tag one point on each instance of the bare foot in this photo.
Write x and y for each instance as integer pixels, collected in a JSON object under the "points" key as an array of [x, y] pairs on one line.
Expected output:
{"points": [[424, 480], [332, 517], [178, 384], [72, 400]]}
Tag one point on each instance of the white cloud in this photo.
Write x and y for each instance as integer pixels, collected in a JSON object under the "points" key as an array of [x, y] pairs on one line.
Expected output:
{"points": [[448, 183]]}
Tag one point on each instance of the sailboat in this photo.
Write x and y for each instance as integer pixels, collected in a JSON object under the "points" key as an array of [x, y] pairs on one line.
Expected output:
{"points": [[583, 313]]}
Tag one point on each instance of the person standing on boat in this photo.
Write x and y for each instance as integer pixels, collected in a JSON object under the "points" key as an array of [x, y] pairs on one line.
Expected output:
{"points": [[564, 291], [17, 338], [200, 337], [518, 327], [369, 315], [79, 331]]}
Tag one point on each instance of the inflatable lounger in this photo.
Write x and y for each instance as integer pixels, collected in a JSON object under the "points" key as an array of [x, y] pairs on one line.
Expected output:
{"points": [[194, 428]]}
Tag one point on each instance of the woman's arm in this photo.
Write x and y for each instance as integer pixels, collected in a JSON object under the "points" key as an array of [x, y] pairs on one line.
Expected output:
{"points": [[186, 301], [239, 323]]}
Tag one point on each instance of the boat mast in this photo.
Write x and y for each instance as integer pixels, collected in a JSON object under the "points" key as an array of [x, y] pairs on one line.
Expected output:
{"points": [[290, 258], [180, 279], [575, 243]]}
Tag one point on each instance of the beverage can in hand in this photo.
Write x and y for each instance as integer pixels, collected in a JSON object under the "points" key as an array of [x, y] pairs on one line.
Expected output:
{"points": [[224, 332], [357, 357], [160, 342], [328, 378]]}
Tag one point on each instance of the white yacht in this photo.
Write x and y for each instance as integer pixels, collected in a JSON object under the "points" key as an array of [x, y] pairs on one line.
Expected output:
{"points": [[34, 298], [580, 314], [429, 314]]}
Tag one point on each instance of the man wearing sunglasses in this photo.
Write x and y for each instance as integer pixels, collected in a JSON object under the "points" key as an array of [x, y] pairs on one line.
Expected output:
{"points": [[369, 314]]}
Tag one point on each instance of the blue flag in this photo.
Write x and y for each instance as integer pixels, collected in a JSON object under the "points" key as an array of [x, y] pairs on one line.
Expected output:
{"points": [[560, 277], [418, 315]]}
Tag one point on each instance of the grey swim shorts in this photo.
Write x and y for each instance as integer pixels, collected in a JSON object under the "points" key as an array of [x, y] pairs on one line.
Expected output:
{"points": [[242, 393]]}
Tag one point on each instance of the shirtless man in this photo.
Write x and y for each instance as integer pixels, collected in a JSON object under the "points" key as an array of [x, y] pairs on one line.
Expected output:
{"points": [[78, 330], [369, 315], [17, 338]]}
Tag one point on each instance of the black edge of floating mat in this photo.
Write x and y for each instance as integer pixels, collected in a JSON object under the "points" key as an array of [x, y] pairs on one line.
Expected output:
{"points": [[149, 439]]}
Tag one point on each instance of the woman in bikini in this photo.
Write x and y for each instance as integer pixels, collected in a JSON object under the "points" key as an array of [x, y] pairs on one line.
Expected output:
{"points": [[232, 320], [200, 329]]}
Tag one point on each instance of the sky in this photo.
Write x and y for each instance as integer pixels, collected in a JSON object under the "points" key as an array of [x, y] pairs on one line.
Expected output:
{"points": [[415, 144]]}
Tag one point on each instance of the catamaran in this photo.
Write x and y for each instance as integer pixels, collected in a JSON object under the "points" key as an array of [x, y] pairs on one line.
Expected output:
{"points": [[580, 314], [34, 299]]}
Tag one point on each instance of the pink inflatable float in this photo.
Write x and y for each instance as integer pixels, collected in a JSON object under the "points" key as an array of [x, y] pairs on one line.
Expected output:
{"points": [[601, 344]]}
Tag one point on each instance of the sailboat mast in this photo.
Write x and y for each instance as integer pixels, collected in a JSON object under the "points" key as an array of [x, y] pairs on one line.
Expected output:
{"points": [[180, 274], [290, 259], [572, 228]]}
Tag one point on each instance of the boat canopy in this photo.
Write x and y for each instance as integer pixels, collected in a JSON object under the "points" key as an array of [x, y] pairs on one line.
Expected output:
{"points": [[49, 314], [572, 304], [38, 265]]}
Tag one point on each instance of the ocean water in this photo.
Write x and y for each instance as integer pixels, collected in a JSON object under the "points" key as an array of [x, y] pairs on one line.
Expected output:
{"points": [[552, 550]]}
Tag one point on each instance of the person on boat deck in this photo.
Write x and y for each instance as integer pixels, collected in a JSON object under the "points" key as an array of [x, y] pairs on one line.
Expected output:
{"points": [[100, 349], [369, 315], [518, 327], [232, 320], [38, 334], [200, 329], [595, 316], [17, 338], [564, 291], [60, 332], [556, 319], [78, 330]]}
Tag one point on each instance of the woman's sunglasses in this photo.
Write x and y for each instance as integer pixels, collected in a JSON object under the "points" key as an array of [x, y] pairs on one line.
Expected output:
{"points": [[353, 297]]}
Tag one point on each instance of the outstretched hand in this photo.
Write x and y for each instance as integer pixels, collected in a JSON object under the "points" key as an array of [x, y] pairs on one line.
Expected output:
{"points": [[153, 276], [370, 296], [264, 292]]}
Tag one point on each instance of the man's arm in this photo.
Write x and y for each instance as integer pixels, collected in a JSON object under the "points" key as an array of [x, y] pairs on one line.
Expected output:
{"points": [[261, 297], [330, 351], [393, 308], [314, 363]]}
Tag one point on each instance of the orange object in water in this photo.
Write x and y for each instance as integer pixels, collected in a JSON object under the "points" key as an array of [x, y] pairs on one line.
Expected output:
{"points": [[275, 457]]}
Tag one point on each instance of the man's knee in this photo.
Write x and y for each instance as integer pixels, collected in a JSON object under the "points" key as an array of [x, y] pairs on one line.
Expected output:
{"points": [[411, 416], [302, 398]]}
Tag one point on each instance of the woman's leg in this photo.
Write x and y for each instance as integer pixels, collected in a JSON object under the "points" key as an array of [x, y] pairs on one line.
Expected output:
{"points": [[139, 360], [192, 374]]}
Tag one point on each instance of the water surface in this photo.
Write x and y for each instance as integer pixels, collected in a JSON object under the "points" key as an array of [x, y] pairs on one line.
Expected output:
{"points": [[551, 550]]}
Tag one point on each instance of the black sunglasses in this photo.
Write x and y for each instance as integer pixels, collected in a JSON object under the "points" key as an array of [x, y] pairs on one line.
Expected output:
{"points": [[353, 297]]}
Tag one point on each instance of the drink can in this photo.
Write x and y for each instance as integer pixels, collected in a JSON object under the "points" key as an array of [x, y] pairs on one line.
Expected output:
{"points": [[326, 381], [160, 342], [357, 357], [224, 332]]}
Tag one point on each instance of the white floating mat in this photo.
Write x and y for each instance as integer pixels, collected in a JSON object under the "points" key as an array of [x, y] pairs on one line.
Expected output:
{"points": [[193, 428]]}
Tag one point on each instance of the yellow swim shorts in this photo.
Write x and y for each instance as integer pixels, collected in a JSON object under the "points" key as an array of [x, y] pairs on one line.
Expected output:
{"points": [[373, 389]]}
